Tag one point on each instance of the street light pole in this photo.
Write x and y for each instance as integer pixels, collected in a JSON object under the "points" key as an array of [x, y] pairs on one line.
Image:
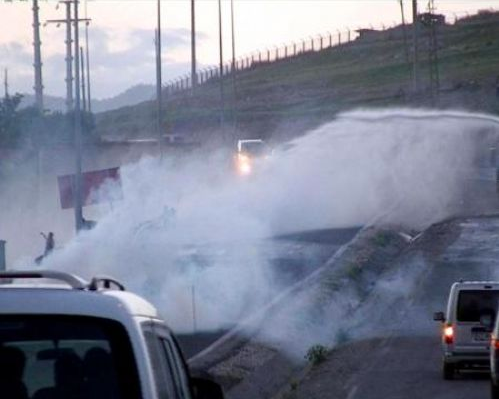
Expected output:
{"points": [[222, 100], [233, 68], [158, 78], [77, 125], [38, 57], [194, 79], [69, 60], [415, 39], [87, 58]]}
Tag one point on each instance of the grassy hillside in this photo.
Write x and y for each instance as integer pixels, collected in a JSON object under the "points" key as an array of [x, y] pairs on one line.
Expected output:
{"points": [[280, 99]]}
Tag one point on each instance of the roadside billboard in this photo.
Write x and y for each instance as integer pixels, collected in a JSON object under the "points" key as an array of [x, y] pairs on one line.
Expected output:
{"points": [[106, 182]]}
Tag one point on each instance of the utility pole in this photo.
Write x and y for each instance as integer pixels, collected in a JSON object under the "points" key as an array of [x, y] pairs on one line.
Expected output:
{"points": [[69, 59], [78, 203], [222, 101], [68, 21], [415, 38], [158, 80], [404, 31], [6, 82], [83, 95], [233, 68], [194, 78], [89, 105], [431, 24], [38, 57]]}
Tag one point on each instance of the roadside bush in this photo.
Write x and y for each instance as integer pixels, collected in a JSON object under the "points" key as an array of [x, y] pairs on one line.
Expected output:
{"points": [[381, 239], [317, 354]]}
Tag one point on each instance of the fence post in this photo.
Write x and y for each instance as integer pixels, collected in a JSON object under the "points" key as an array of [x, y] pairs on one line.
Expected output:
{"points": [[294, 48], [339, 38], [330, 40], [260, 57], [349, 38], [268, 55], [303, 46]]}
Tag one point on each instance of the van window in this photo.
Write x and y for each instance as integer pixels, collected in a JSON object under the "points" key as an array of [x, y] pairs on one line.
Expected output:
{"points": [[472, 304], [162, 369], [66, 356]]}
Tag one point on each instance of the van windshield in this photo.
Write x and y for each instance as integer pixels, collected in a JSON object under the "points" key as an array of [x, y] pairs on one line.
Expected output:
{"points": [[45, 357], [472, 304], [255, 148]]}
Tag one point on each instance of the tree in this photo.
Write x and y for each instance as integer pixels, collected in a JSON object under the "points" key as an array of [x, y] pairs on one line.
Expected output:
{"points": [[10, 121]]}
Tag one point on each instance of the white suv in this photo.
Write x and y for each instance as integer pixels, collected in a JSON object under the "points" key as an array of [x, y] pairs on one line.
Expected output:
{"points": [[471, 313], [83, 340]]}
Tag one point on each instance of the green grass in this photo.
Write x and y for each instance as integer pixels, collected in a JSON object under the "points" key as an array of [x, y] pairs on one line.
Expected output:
{"points": [[318, 85]]}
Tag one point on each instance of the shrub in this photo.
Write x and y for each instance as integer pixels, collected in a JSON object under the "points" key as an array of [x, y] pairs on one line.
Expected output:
{"points": [[317, 354]]}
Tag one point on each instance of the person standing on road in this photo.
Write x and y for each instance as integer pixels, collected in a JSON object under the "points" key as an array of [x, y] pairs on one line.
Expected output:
{"points": [[49, 243]]}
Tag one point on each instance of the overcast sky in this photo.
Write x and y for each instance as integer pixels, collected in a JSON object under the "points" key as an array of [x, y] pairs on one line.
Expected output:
{"points": [[122, 34]]}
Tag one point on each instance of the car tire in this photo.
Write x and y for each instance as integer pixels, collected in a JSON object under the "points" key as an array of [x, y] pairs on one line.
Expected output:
{"points": [[448, 371], [494, 391]]}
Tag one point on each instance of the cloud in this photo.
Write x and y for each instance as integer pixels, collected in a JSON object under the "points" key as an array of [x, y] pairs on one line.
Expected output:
{"points": [[118, 60]]}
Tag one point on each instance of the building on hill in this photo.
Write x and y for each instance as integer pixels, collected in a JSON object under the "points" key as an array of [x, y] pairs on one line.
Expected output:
{"points": [[427, 18]]}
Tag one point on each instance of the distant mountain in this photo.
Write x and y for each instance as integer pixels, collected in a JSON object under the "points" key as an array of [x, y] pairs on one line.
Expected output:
{"points": [[133, 95]]}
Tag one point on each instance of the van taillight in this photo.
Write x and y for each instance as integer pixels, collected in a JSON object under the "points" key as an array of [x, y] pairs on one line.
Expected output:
{"points": [[494, 343], [449, 335]]}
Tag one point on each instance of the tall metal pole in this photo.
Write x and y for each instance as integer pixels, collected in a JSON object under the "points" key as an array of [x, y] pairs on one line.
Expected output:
{"points": [[233, 66], [83, 95], [77, 126], [158, 79], [194, 78], [69, 60], [87, 58], [222, 100], [404, 31], [6, 82], [415, 39], [38, 57], [3, 263]]}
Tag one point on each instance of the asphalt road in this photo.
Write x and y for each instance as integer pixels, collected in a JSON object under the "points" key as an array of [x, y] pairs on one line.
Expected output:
{"points": [[406, 362], [292, 257]]}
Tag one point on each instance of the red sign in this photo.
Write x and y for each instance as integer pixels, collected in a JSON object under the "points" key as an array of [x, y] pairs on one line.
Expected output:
{"points": [[90, 183]]}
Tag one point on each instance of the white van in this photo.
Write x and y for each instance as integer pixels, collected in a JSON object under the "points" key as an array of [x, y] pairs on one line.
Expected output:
{"points": [[85, 340], [466, 328]]}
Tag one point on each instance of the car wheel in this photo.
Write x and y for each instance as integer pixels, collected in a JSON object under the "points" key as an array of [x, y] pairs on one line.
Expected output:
{"points": [[448, 371], [494, 391]]}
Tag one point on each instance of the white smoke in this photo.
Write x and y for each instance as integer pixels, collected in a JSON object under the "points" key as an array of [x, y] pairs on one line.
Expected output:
{"points": [[343, 173]]}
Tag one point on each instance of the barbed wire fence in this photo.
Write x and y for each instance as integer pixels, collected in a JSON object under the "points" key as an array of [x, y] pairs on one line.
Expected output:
{"points": [[293, 50]]}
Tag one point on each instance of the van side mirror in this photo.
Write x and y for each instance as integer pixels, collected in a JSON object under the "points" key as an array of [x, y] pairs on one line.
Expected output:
{"points": [[206, 389], [439, 316]]}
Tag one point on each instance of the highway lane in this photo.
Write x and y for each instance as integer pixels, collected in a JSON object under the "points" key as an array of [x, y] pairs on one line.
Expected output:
{"points": [[406, 363], [292, 257]]}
